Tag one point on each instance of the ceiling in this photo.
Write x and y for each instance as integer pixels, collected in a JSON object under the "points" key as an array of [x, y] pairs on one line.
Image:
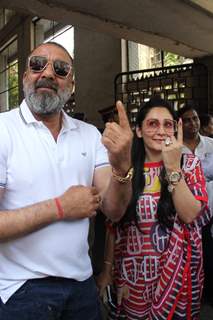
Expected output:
{"points": [[184, 27]]}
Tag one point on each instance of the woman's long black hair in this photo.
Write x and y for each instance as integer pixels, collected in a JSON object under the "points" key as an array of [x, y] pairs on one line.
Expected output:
{"points": [[165, 210]]}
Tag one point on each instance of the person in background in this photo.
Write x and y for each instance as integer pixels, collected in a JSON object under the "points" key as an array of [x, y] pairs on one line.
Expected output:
{"points": [[156, 248], [193, 141], [200, 144], [55, 172], [206, 124]]}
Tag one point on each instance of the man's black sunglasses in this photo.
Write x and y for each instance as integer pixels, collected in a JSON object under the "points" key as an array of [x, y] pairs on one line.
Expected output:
{"points": [[38, 64]]}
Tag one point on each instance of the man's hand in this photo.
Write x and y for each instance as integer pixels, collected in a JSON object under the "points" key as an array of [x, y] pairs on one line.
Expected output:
{"points": [[80, 202], [117, 138]]}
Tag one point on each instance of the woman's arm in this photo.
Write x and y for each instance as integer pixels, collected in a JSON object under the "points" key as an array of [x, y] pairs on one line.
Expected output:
{"points": [[186, 205], [106, 276]]}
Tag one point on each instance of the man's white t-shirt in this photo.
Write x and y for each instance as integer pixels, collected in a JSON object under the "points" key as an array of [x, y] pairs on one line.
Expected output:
{"points": [[33, 167]]}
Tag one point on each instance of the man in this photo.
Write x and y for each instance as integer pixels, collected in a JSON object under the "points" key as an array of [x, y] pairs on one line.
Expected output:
{"points": [[206, 124], [202, 147], [193, 141], [54, 174]]}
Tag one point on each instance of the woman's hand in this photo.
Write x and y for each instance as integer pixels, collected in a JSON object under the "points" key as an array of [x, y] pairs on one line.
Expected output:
{"points": [[172, 150], [103, 280], [122, 293], [117, 138]]}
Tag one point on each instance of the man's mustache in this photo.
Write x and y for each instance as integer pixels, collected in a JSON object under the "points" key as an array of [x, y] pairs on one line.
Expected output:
{"points": [[46, 83]]}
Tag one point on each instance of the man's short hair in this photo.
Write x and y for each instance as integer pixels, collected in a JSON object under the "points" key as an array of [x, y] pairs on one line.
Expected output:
{"points": [[186, 107]]}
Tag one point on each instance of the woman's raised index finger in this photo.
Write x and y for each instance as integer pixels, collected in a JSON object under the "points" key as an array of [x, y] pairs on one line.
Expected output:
{"points": [[180, 131], [122, 116]]}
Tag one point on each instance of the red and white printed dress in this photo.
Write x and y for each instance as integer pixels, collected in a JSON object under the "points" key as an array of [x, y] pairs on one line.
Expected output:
{"points": [[162, 268]]}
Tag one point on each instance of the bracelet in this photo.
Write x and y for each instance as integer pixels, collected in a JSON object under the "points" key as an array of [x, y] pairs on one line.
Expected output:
{"points": [[60, 212], [108, 262], [125, 179]]}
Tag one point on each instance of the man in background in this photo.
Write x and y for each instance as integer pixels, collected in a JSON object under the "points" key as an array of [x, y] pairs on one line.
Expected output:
{"points": [[206, 124]]}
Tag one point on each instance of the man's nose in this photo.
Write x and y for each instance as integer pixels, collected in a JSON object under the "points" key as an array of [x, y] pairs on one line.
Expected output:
{"points": [[48, 72]]}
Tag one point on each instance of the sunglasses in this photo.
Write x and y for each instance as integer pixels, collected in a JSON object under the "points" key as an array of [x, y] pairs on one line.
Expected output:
{"points": [[39, 63], [153, 125]]}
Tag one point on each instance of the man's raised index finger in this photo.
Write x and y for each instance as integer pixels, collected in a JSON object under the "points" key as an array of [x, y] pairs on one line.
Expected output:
{"points": [[122, 116]]}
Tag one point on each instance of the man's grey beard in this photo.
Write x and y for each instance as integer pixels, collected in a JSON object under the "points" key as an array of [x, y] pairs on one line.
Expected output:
{"points": [[45, 103]]}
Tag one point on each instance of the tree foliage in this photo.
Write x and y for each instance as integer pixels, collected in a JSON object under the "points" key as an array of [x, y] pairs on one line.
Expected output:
{"points": [[171, 59]]}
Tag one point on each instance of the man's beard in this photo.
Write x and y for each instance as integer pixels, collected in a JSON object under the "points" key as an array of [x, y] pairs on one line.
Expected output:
{"points": [[45, 103]]}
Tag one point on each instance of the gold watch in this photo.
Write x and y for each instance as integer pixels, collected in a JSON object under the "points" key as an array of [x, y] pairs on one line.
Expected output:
{"points": [[125, 179], [173, 178]]}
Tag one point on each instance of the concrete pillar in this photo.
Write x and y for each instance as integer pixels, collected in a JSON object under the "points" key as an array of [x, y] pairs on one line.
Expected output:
{"points": [[97, 61], [25, 45], [39, 33]]}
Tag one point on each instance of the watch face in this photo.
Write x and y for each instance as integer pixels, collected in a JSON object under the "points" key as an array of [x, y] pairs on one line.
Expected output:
{"points": [[174, 177]]}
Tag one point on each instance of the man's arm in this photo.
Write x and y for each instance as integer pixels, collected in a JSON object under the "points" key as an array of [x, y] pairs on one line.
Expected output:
{"points": [[76, 203]]}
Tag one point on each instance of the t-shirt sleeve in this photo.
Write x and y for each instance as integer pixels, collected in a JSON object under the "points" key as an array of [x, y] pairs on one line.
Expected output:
{"points": [[101, 153]]}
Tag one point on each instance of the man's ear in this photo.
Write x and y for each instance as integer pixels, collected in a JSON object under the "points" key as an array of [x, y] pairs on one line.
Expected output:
{"points": [[24, 75], [138, 132]]}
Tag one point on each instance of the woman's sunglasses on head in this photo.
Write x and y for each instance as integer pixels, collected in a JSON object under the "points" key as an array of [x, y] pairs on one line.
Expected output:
{"points": [[38, 64]]}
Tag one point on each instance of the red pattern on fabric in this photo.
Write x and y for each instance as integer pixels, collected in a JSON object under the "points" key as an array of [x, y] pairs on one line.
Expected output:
{"points": [[162, 269]]}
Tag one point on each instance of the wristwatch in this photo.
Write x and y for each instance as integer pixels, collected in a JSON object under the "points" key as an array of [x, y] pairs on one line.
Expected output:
{"points": [[173, 178]]}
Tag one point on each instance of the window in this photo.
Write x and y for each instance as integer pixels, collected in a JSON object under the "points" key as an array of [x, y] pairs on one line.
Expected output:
{"points": [[9, 76], [5, 16], [144, 57]]}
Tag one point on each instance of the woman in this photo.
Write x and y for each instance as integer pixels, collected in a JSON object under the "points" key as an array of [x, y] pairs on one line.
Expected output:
{"points": [[157, 245]]}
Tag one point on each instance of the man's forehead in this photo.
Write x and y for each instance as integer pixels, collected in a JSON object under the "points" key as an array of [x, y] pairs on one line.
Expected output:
{"points": [[190, 114], [52, 51]]}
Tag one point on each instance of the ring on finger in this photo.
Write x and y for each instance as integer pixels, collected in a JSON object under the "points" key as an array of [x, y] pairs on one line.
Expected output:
{"points": [[168, 141]]}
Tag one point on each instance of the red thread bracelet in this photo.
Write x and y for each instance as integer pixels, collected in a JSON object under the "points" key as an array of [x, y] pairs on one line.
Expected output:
{"points": [[60, 212]]}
